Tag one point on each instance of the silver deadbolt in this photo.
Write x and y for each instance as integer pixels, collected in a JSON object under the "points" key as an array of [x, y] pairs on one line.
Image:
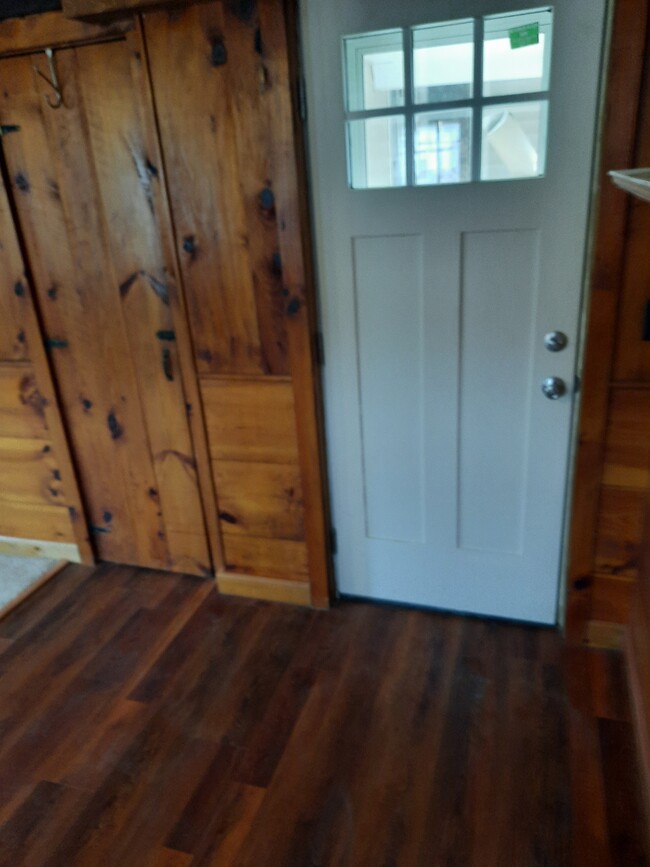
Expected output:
{"points": [[555, 341], [554, 387]]}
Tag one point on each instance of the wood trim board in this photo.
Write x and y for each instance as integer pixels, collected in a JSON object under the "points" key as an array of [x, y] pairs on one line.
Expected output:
{"points": [[53, 30], [271, 589], [14, 547]]}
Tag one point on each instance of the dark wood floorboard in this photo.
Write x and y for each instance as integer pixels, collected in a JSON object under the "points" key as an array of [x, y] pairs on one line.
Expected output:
{"points": [[146, 721]]}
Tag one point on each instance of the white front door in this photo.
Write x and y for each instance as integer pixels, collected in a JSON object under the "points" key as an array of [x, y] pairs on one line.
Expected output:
{"points": [[451, 172]]}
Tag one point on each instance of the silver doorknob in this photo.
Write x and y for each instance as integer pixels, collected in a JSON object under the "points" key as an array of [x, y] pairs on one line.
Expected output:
{"points": [[554, 387], [555, 341]]}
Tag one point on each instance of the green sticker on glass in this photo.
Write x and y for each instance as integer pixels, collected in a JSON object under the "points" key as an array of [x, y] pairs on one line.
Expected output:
{"points": [[528, 34]]}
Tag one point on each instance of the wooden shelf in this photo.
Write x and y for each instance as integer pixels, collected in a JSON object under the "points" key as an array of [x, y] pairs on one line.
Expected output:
{"points": [[634, 181]]}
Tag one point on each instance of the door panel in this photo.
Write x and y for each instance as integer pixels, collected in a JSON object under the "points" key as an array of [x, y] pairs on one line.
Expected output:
{"points": [[39, 494], [437, 426], [232, 164], [498, 301], [224, 205], [86, 191], [391, 383]]}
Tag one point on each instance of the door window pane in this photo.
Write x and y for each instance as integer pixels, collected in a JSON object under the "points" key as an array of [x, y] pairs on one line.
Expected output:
{"points": [[442, 146], [514, 140], [374, 70], [459, 129], [377, 152], [517, 52], [443, 61]]}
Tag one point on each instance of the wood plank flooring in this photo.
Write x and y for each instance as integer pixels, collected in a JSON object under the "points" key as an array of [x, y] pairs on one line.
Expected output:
{"points": [[146, 721]]}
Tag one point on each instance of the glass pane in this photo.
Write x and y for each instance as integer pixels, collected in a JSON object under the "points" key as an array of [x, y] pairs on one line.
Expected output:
{"points": [[377, 152], [514, 140], [517, 52], [443, 61], [374, 70], [443, 146]]}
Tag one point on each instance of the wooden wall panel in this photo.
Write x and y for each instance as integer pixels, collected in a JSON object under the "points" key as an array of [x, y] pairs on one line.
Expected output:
{"points": [[627, 445], [271, 558], [618, 536], [232, 164], [637, 646], [29, 472], [251, 420], [259, 499], [30, 414], [632, 360], [28, 520], [201, 150], [254, 448], [13, 340], [143, 271], [104, 282], [22, 410], [613, 470], [280, 41]]}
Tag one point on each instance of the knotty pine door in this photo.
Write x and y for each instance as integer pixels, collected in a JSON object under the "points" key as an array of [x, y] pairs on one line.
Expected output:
{"points": [[222, 85], [39, 494], [86, 183]]}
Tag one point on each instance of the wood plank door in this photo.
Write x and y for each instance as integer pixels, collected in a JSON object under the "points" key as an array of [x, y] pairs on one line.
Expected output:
{"points": [[451, 150], [40, 504], [86, 183], [228, 140]]}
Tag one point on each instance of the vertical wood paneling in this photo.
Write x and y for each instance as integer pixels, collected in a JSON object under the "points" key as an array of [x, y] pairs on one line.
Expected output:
{"points": [[29, 409], [614, 328], [200, 148], [177, 300], [13, 340], [22, 409], [231, 164], [632, 361], [275, 22], [55, 186], [146, 282], [248, 82], [104, 287]]}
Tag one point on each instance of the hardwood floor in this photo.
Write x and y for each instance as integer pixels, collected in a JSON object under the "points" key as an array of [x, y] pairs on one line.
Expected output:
{"points": [[148, 722]]}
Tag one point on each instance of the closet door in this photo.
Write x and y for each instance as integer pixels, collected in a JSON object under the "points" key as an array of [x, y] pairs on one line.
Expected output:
{"points": [[229, 145], [40, 505], [86, 184]]}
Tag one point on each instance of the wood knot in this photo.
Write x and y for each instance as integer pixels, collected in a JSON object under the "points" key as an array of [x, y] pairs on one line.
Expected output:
{"points": [[22, 183], [218, 53], [115, 428], [293, 306], [267, 200]]}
